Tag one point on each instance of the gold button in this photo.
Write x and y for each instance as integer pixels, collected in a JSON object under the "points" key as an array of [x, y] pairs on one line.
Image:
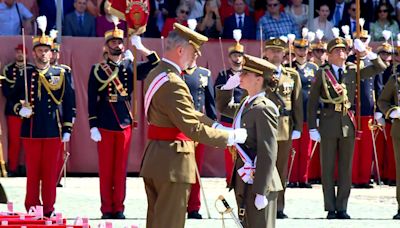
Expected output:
{"points": [[49, 106], [48, 100], [32, 92], [49, 113]]}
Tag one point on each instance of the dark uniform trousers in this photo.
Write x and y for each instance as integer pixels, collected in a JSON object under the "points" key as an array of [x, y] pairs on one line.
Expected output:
{"points": [[284, 150], [110, 111]]}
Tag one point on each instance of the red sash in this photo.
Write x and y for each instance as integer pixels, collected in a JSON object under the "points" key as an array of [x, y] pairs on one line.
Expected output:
{"points": [[339, 90], [165, 133]]}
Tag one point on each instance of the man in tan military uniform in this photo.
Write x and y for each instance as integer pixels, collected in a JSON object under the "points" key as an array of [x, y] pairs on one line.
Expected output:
{"points": [[287, 96], [168, 165], [388, 103], [258, 188], [335, 86]]}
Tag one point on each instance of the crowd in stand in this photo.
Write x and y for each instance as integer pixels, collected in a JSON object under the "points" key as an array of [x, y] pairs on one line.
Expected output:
{"points": [[258, 19]]}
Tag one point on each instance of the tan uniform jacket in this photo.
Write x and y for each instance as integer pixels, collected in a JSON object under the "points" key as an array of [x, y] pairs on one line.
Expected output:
{"points": [[260, 119], [289, 100], [333, 123], [172, 106], [389, 101]]}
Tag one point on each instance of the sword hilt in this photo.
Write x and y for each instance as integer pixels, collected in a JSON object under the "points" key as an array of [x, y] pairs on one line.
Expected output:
{"points": [[226, 204]]}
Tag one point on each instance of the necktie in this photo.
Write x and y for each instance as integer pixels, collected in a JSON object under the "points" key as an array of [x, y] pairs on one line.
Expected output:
{"points": [[240, 22], [340, 75], [353, 27], [337, 14], [81, 20]]}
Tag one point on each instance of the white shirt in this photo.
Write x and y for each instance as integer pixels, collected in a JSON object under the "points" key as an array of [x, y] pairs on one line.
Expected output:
{"points": [[172, 63], [336, 70], [237, 19], [279, 71]]}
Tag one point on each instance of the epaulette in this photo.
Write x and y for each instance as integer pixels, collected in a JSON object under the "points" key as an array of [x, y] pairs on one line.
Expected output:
{"points": [[314, 65], [291, 70], [6, 68], [66, 67], [59, 68], [208, 72], [351, 65]]}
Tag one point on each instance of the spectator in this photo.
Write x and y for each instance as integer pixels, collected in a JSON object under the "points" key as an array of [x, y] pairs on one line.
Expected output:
{"points": [[260, 6], [48, 8], [104, 22], [299, 12], [197, 8], [321, 22], [210, 25], [339, 10], [14, 16], [227, 9], [158, 13], [239, 20], [79, 22], [384, 22], [350, 20], [369, 7], [182, 13], [275, 23]]}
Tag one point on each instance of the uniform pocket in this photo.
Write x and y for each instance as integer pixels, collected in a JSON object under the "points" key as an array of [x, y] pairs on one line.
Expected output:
{"points": [[184, 146]]}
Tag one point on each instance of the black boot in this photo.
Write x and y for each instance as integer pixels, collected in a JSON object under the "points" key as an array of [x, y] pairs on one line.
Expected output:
{"points": [[194, 215]]}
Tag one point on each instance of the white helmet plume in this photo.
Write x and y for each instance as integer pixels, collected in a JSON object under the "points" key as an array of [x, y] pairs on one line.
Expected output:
{"points": [[237, 34], [192, 23], [42, 23]]}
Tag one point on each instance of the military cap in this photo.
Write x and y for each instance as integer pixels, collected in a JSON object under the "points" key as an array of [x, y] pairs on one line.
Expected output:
{"points": [[56, 47], [115, 33], [194, 38], [21, 48], [42, 40], [363, 34], [319, 46], [384, 47], [236, 48], [338, 42], [276, 43], [258, 66], [301, 43]]}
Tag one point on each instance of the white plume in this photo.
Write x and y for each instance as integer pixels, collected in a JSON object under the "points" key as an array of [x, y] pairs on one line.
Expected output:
{"points": [[284, 39], [42, 23], [115, 20], [362, 22], [335, 32], [386, 34], [192, 23], [304, 32], [311, 36], [53, 34], [345, 29], [291, 37], [237, 34], [320, 34], [398, 36], [368, 40]]}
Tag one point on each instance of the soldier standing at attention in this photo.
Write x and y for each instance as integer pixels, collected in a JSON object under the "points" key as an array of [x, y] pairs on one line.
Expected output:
{"points": [[12, 72], [335, 86], [47, 111], [288, 98], [256, 180], [168, 165], [110, 117]]}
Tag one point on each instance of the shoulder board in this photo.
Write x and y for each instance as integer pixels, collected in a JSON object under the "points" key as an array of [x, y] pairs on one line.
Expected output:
{"points": [[65, 67], [8, 65], [59, 68], [351, 65], [313, 64], [325, 66], [291, 70], [206, 70]]}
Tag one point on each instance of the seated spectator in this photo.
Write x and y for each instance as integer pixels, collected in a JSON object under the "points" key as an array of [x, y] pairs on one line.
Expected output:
{"points": [[384, 22], [239, 20], [226, 9], [158, 13], [14, 16], [105, 23], [196, 8], [275, 23], [299, 12], [210, 25], [260, 6], [321, 22], [48, 8], [182, 13], [79, 22]]}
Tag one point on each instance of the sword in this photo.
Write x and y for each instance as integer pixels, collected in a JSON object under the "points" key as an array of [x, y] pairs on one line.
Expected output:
{"points": [[371, 127], [291, 165], [228, 210], [313, 150], [64, 166], [202, 191]]}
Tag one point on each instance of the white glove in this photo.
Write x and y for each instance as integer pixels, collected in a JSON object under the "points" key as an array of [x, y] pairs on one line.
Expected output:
{"points": [[317, 122], [395, 114], [95, 134], [260, 202], [378, 116], [221, 127], [66, 137], [372, 55], [128, 55], [359, 45], [314, 135], [237, 136], [137, 42], [25, 112], [232, 82], [296, 134]]}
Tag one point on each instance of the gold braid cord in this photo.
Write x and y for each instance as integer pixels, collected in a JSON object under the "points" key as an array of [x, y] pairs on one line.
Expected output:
{"points": [[50, 87], [109, 79], [340, 99]]}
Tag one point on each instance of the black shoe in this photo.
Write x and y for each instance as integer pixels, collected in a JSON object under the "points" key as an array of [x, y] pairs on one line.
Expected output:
{"points": [[391, 183], [194, 215], [397, 216], [119, 215], [315, 181], [331, 215], [292, 185], [59, 185], [342, 215], [12, 174], [366, 186], [281, 215], [107, 216], [305, 185], [48, 215]]}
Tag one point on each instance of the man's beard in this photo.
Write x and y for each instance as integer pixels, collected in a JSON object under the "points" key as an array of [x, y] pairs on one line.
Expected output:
{"points": [[236, 63], [115, 52]]}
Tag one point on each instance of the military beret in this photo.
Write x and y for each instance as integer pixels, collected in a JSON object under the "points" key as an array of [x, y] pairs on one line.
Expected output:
{"points": [[258, 66], [275, 43], [337, 43], [194, 38]]}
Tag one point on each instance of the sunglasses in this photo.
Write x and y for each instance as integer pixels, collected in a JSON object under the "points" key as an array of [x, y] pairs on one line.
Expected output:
{"points": [[273, 5], [184, 12], [383, 11], [353, 9]]}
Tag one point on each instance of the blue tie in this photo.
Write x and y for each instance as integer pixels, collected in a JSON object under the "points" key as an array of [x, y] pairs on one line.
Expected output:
{"points": [[81, 20], [240, 22], [353, 27], [337, 14]]}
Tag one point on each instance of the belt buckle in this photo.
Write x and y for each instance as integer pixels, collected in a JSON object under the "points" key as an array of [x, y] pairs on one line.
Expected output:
{"points": [[338, 107], [113, 98], [242, 211]]}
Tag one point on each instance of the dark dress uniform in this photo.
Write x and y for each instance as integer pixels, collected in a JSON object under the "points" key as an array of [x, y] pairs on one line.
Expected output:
{"points": [[221, 79], [109, 103], [50, 95], [198, 80], [12, 72]]}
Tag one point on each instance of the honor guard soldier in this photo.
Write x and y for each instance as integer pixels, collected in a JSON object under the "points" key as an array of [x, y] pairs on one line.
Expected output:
{"points": [[198, 80], [288, 98], [12, 72], [47, 110], [168, 165], [318, 49], [335, 86], [255, 180], [389, 104], [110, 117], [303, 145]]}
